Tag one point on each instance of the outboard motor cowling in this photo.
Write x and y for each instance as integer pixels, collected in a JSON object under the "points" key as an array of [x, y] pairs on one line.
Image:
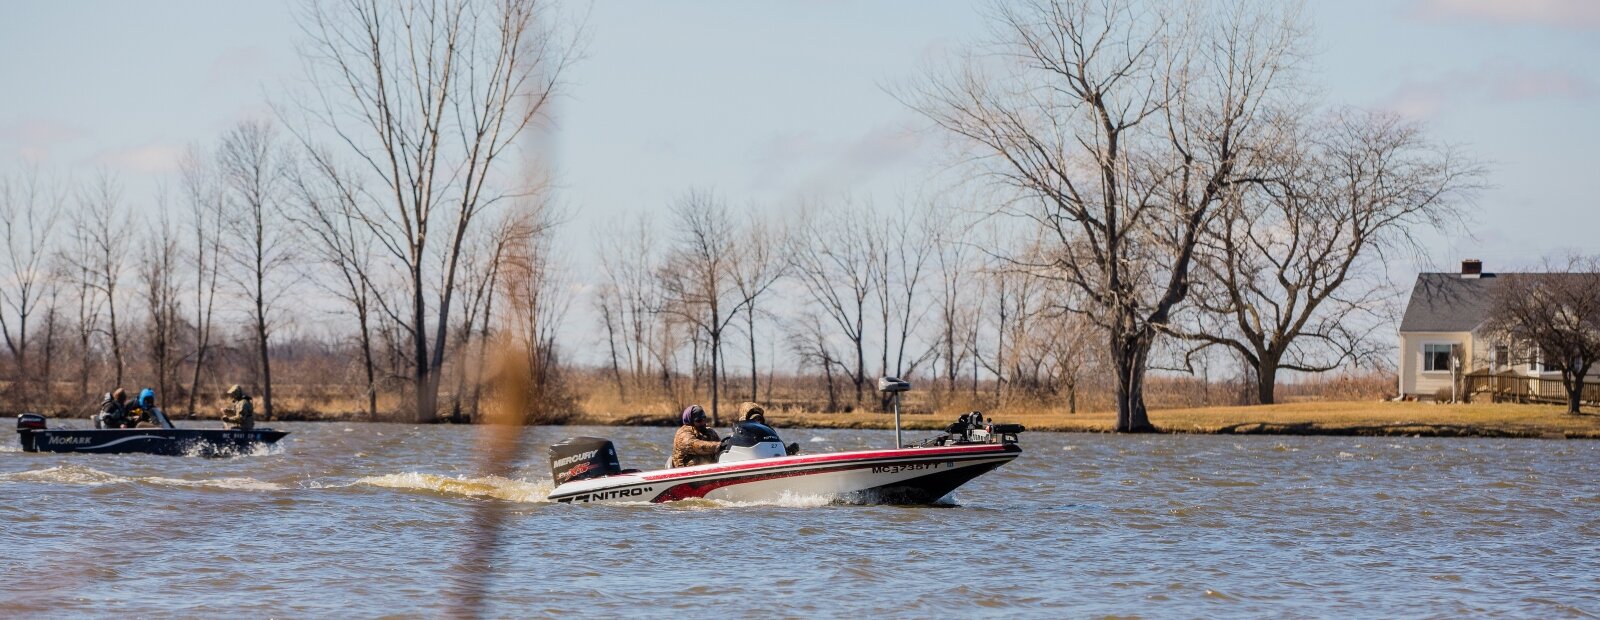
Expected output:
{"points": [[27, 423], [581, 458], [749, 441]]}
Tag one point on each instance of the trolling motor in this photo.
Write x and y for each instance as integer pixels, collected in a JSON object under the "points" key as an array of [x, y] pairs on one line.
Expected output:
{"points": [[895, 385], [972, 428]]}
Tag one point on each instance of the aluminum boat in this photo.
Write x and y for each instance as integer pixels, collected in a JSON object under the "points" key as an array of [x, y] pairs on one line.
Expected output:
{"points": [[168, 440]]}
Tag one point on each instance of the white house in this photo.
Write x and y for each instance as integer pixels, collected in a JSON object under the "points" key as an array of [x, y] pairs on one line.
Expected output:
{"points": [[1441, 334]]}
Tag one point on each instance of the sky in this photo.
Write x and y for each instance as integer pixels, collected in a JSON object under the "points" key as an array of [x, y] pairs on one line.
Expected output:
{"points": [[767, 102]]}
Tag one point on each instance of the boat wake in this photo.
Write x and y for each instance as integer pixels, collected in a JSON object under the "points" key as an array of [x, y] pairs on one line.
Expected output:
{"points": [[487, 486], [88, 476]]}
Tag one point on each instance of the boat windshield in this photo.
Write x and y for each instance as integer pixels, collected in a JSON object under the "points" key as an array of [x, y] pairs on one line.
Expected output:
{"points": [[746, 434]]}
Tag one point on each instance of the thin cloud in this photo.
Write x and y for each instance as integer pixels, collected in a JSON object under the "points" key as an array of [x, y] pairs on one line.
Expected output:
{"points": [[802, 160], [1564, 14], [34, 139], [236, 63], [1496, 83], [152, 158]]}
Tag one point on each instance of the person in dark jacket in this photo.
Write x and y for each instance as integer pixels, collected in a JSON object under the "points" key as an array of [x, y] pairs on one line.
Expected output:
{"points": [[113, 410], [694, 443], [753, 412]]}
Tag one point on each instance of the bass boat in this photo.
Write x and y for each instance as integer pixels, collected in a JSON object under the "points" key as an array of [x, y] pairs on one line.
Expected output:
{"points": [[167, 439], [754, 465]]}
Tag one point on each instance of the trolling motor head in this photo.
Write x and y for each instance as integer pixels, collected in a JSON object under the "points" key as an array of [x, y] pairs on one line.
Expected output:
{"points": [[893, 385]]}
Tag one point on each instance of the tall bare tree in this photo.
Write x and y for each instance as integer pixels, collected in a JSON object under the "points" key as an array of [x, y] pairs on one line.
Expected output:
{"points": [[158, 284], [258, 247], [328, 200], [206, 200], [698, 276], [1118, 126], [956, 314], [101, 225], [535, 306], [29, 212], [832, 256], [630, 301], [1296, 258], [1554, 317], [902, 245], [429, 97], [756, 268]]}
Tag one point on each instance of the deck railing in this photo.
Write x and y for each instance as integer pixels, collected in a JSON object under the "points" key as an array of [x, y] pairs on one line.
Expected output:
{"points": [[1506, 387]]}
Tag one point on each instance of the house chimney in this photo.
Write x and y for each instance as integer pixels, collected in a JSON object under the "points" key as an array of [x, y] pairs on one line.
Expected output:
{"points": [[1471, 268]]}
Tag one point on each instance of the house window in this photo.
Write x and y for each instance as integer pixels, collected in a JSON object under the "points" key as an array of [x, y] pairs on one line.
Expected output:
{"points": [[1436, 358], [1502, 358]]}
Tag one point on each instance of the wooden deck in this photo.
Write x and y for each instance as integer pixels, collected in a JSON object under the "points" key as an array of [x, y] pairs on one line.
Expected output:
{"points": [[1504, 388]]}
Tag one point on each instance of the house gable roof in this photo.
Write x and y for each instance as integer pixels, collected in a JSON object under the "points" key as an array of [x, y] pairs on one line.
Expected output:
{"points": [[1447, 302]]}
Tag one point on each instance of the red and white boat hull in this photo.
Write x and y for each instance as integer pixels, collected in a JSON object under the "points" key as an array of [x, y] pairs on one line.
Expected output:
{"points": [[903, 476]]}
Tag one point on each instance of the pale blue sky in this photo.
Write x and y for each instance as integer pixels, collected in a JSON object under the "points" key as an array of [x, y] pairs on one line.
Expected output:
{"points": [[766, 101]]}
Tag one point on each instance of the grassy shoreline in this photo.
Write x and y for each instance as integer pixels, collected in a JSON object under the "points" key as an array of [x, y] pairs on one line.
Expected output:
{"points": [[1347, 418], [1309, 418]]}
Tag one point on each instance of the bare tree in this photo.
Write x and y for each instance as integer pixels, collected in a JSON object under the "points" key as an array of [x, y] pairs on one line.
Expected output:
{"points": [[206, 201], [952, 347], [1296, 259], [832, 256], [428, 97], [698, 276], [253, 170], [1556, 316], [76, 268], [328, 199], [29, 211], [756, 268], [101, 226], [1118, 127], [630, 301], [158, 280], [536, 305], [901, 248], [808, 340]]}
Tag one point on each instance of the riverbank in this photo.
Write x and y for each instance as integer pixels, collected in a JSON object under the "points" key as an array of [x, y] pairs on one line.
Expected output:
{"points": [[1309, 418], [1348, 418]]}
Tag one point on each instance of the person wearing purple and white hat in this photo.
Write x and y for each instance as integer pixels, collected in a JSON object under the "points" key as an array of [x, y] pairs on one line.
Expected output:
{"points": [[695, 443]]}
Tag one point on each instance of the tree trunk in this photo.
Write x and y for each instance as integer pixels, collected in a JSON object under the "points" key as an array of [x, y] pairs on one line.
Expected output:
{"points": [[1574, 385], [266, 368], [1128, 353], [421, 376], [367, 362], [116, 339], [1267, 379], [716, 348], [750, 324]]}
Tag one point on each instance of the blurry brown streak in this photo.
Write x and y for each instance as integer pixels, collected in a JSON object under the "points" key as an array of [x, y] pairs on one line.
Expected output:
{"points": [[496, 446]]}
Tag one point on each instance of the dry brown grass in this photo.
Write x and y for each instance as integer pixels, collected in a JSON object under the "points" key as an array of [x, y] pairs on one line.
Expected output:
{"points": [[1302, 418]]}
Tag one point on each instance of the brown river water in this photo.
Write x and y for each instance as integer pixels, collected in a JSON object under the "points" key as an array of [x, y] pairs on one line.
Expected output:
{"points": [[363, 520]]}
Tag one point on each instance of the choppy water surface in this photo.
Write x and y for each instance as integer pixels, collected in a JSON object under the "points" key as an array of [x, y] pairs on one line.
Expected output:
{"points": [[371, 519]]}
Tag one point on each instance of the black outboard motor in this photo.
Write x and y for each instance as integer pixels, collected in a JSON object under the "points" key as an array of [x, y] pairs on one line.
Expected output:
{"points": [[27, 423], [581, 458]]}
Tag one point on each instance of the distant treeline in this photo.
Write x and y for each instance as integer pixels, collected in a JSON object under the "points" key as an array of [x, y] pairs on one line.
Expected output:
{"points": [[1148, 190]]}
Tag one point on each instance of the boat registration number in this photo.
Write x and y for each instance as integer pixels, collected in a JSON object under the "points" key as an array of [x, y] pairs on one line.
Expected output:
{"points": [[895, 469]]}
